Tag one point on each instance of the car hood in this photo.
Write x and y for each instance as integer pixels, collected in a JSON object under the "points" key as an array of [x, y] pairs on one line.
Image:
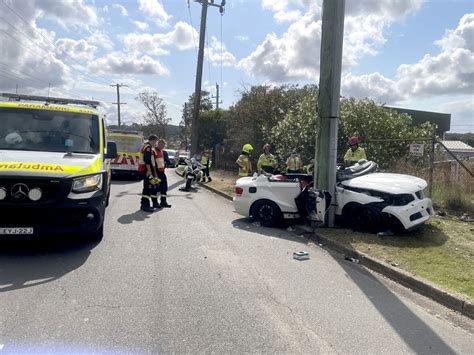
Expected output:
{"points": [[47, 164], [390, 183]]}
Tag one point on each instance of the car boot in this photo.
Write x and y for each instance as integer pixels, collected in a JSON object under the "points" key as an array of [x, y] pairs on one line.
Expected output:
{"points": [[145, 205], [164, 204], [155, 202]]}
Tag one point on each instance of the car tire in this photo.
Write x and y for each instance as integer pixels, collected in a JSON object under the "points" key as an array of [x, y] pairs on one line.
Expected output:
{"points": [[97, 236], [364, 218], [267, 213]]}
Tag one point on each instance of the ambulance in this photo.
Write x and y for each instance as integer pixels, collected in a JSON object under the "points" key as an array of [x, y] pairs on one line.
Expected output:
{"points": [[54, 167], [128, 150]]}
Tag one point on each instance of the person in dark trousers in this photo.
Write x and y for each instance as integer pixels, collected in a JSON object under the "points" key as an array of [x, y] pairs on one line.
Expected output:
{"points": [[207, 164], [147, 167], [160, 167]]}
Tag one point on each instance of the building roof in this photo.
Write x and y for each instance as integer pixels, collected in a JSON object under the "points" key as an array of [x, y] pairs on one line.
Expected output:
{"points": [[457, 146]]}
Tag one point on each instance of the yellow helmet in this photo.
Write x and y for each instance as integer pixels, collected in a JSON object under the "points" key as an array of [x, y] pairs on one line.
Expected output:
{"points": [[247, 148]]}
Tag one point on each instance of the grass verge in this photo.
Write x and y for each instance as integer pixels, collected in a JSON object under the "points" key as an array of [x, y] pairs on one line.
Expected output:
{"points": [[441, 251]]}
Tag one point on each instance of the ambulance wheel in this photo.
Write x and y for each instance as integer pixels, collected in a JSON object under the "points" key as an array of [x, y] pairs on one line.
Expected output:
{"points": [[267, 213]]}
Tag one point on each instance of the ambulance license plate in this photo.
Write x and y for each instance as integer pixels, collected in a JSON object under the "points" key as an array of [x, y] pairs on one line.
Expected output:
{"points": [[16, 231]]}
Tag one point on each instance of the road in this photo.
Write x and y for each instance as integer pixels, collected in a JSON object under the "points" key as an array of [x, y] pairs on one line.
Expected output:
{"points": [[199, 278]]}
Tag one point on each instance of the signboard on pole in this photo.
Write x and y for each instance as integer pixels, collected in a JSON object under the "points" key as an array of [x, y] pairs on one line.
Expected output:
{"points": [[417, 149]]}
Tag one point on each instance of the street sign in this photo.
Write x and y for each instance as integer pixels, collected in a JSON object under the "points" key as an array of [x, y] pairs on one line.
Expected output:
{"points": [[416, 149]]}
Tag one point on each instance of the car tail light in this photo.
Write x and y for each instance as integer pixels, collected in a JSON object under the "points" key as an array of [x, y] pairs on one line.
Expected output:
{"points": [[238, 191]]}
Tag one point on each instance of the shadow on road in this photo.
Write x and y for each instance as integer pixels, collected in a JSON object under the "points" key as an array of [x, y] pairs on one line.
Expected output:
{"points": [[414, 331], [137, 216], [247, 225], [32, 262]]}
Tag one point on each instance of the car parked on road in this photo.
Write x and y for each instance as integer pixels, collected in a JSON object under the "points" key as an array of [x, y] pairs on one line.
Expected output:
{"points": [[365, 199], [183, 156], [173, 158]]}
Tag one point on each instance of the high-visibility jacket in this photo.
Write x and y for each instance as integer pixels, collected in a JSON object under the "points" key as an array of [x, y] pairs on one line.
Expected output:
{"points": [[159, 159], [353, 157], [206, 161], [266, 160], [245, 166], [294, 162], [146, 155]]}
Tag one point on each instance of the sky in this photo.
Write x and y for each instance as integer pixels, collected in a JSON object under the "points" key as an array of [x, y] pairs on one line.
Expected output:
{"points": [[415, 54]]}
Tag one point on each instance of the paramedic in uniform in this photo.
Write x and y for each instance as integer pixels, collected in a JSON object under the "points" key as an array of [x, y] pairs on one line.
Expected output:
{"points": [[147, 168]]}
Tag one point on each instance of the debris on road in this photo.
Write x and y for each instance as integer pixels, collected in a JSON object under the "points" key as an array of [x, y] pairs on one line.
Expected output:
{"points": [[354, 260], [387, 233], [290, 229], [301, 255]]}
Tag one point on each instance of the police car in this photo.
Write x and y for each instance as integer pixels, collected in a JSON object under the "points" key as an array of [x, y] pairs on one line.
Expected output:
{"points": [[54, 166]]}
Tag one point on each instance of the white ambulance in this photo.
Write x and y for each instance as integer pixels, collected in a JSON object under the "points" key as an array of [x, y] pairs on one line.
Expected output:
{"points": [[54, 166], [128, 144]]}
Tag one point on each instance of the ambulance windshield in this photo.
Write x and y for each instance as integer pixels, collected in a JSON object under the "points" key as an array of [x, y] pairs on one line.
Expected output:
{"points": [[127, 143], [49, 131]]}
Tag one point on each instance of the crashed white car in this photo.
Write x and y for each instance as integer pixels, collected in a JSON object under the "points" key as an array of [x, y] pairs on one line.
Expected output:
{"points": [[364, 200]]}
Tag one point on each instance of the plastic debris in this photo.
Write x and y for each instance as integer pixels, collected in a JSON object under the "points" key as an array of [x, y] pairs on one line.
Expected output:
{"points": [[387, 233], [301, 255], [354, 260]]}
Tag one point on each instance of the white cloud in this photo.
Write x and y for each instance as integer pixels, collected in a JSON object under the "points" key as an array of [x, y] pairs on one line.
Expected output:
{"points": [[462, 113], [241, 38], [154, 10], [143, 26], [122, 63], [181, 36], [295, 54], [281, 9], [121, 8], [100, 39], [450, 72], [68, 49], [66, 12], [218, 54]]}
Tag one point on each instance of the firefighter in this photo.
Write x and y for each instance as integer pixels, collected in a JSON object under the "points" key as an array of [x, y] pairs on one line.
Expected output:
{"points": [[147, 168], [243, 161], [160, 168], [267, 161], [206, 162], [354, 153], [294, 164]]}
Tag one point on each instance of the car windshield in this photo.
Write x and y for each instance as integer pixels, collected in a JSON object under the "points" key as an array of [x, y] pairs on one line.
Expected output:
{"points": [[47, 130], [127, 144], [171, 153]]}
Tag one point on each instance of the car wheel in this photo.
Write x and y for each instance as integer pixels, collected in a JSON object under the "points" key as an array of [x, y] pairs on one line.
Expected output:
{"points": [[364, 218], [267, 213]]}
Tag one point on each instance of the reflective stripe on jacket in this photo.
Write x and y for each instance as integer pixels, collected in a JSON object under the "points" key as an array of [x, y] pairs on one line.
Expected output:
{"points": [[141, 159], [266, 160], [160, 159]]}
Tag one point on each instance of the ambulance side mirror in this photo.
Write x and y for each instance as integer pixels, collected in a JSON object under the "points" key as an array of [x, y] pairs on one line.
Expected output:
{"points": [[111, 150]]}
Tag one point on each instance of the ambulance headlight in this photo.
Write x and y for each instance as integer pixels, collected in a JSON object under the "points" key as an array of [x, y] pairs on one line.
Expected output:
{"points": [[87, 184]]}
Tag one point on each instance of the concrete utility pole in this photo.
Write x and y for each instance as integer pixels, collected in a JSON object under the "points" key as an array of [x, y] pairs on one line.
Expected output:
{"points": [[197, 90], [118, 103], [329, 97], [217, 96]]}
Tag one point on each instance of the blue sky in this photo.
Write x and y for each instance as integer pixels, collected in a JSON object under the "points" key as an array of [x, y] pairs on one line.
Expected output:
{"points": [[408, 53]]}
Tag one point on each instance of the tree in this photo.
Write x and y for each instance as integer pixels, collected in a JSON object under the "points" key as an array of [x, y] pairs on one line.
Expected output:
{"points": [[212, 128], [187, 114], [156, 116]]}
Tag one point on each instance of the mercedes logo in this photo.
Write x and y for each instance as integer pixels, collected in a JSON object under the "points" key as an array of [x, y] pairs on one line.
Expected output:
{"points": [[19, 191]]}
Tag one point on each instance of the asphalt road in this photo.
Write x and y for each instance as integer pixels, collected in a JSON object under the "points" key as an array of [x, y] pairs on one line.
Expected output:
{"points": [[199, 278]]}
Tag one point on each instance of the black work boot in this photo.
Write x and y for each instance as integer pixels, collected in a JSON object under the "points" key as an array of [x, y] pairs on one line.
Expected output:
{"points": [[145, 205], [209, 179], [156, 204], [164, 204]]}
